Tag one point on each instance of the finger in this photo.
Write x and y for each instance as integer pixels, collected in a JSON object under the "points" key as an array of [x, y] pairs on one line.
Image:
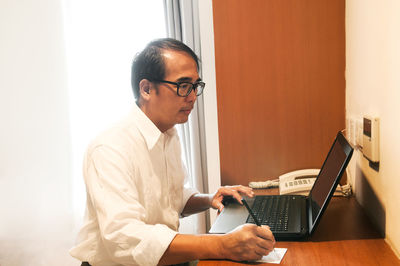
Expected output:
{"points": [[265, 240], [220, 206], [245, 190], [242, 189], [228, 191], [265, 232], [217, 199], [260, 251], [221, 197], [236, 195], [266, 245]]}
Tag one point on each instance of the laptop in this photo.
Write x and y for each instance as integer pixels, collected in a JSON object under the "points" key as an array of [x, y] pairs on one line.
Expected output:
{"points": [[301, 214]]}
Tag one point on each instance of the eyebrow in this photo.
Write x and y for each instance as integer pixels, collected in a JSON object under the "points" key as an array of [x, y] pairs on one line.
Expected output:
{"points": [[187, 79]]}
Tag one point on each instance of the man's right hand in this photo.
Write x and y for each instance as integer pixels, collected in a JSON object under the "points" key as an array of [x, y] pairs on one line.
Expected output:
{"points": [[248, 242]]}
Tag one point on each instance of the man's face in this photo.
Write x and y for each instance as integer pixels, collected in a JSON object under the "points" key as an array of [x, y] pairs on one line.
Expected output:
{"points": [[166, 108]]}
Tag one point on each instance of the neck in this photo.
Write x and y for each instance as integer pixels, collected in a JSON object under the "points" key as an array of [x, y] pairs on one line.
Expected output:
{"points": [[149, 114]]}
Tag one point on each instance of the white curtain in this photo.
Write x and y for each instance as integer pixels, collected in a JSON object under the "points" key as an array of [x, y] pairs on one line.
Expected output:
{"points": [[102, 42], [182, 19]]}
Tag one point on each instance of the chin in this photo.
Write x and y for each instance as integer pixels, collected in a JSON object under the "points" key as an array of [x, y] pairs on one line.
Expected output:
{"points": [[183, 120]]}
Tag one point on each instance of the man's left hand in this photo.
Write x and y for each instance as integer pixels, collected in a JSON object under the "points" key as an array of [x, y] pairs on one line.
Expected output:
{"points": [[233, 191]]}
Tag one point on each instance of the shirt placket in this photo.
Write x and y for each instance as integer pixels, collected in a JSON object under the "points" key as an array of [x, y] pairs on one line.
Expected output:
{"points": [[167, 174]]}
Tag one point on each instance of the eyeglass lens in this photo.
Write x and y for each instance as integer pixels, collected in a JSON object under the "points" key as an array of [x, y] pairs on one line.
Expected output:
{"points": [[185, 88]]}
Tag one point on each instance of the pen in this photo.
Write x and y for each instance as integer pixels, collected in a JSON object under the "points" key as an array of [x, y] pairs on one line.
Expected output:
{"points": [[251, 212], [256, 221]]}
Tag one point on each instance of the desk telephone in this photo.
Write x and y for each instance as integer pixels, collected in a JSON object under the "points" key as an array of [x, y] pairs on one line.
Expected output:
{"points": [[297, 182]]}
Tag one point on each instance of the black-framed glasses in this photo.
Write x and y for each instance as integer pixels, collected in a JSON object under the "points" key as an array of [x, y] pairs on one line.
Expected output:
{"points": [[184, 88]]}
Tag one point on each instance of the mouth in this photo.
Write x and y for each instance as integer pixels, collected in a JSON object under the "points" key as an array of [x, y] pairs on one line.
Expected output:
{"points": [[186, 110]]}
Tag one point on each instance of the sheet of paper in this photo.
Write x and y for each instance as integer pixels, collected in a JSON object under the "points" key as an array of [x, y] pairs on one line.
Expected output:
{"points": [[275, 256]]}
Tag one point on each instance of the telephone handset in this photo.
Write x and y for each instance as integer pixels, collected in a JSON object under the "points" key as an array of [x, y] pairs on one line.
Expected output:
{"points": [[298, 182]]}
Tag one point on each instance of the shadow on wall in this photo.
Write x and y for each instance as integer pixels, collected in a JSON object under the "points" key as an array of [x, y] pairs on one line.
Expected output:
{"points": [[366, 196]]}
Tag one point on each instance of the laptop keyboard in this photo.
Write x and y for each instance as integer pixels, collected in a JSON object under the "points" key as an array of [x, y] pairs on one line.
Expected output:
{"points": [[272, 211]]}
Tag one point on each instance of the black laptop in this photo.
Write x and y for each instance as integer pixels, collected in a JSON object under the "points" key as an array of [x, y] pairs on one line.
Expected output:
{"points": [[292, 217]]}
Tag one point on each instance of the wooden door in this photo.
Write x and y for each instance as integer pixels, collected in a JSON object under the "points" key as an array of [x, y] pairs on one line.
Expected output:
{"points": [[280, 67]]}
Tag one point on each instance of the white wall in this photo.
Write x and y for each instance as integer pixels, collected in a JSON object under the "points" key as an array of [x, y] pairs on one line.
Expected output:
{"points": [[373, 87], [35, 208]]}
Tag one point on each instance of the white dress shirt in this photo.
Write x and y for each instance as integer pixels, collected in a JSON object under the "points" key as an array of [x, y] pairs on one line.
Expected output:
{"points": [[135, 194]]}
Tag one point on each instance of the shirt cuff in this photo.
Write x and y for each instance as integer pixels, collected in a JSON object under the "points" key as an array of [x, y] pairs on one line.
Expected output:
{"points": [[187, 193], [158, 240]]}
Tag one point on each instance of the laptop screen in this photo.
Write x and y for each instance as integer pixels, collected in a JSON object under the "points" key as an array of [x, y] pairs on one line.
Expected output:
{"points": [[328, 178]]}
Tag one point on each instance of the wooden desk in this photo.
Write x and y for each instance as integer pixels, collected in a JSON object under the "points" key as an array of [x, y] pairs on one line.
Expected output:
{"points": [[345, 236]]}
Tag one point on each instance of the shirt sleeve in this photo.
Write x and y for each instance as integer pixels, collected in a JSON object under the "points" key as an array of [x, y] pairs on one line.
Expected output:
{"points": [[127, 238], [188, 191]]}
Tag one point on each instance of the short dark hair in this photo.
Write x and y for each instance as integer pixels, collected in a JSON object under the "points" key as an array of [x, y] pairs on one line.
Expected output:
{"points": [[149, 63]]}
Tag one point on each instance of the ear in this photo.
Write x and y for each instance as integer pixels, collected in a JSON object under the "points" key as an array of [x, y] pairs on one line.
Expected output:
{"points": [[144, 89]]}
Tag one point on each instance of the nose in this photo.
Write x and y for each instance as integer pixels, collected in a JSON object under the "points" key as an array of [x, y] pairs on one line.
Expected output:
{"points": [[191, 97]]}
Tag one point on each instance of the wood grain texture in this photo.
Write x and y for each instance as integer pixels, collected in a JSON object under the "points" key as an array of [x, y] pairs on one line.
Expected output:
{"points": [[345, 236], [280, 85]]}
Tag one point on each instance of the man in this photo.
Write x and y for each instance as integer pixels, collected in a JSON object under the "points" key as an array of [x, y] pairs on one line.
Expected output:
{"points": [[135, 181]]}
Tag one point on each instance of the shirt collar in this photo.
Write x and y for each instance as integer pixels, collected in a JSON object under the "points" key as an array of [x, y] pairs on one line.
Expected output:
{"points": [[148, 129]]}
